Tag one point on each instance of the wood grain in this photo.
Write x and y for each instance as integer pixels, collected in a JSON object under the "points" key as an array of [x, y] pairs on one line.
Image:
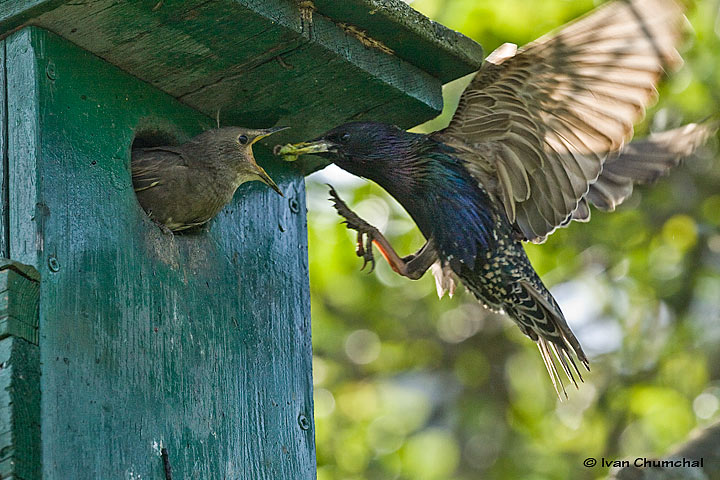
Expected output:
{"points": [[430, 46], [19, 372], [4, 210]]}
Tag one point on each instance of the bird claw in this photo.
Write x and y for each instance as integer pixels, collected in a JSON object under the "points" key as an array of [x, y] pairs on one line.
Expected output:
{"points": [[164, 229], [365, 251], [366, 232]]}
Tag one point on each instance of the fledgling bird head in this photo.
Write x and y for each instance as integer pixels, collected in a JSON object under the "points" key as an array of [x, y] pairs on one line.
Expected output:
{"points": [[367, 149], [233, 146]]}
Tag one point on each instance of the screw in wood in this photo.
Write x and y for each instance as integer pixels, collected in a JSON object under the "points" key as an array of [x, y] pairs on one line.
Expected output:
{"points": [[294, 205], [53, 263], [50, 70], [304, 422]]}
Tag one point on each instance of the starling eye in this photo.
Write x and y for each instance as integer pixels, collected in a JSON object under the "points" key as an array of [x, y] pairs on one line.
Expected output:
{"points": [[345, 137], [242, 140]]}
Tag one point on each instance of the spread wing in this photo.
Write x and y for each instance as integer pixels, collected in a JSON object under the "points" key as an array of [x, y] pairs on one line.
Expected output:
{"points": [[644, 161], [537, 125], [148, 163]]}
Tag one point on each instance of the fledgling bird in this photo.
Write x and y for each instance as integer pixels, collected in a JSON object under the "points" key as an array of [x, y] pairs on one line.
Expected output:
{"points": [[538, 134], [184, 186]]}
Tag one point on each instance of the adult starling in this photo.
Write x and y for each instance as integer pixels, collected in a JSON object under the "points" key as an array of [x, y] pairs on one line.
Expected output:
{"points": [[184, 186], [537, 136]]}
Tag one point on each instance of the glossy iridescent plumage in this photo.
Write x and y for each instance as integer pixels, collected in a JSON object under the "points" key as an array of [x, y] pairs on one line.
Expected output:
{"points": [[470, 232], [539, 134]]}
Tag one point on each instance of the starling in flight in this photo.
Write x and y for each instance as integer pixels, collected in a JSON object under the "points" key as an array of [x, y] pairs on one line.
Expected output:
{"points": [[184, 186], [538, 135]]}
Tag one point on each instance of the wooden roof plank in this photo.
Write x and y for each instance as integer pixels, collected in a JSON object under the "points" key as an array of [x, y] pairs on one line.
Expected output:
{"points": [[262, 62], [444, 53]]}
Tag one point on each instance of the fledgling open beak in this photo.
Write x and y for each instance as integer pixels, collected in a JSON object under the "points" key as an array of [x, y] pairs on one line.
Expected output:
{"points": [[261, 173], [265, 178], [291, 152], [266, 133]]}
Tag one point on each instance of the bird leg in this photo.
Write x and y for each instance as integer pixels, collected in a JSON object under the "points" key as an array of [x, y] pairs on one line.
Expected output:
{"points": [[163, 228], [412, 266]]}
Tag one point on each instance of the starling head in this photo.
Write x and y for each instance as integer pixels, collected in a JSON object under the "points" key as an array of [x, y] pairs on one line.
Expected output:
{"points": [[232, 146], [361, 148]]}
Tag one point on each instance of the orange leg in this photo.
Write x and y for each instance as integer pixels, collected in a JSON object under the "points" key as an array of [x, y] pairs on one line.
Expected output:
{"points": [[412, 266]]}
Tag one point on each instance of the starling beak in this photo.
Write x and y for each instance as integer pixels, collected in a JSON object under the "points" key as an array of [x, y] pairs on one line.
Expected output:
{"points": [[539, 134], [184, 186], [291, 152]]}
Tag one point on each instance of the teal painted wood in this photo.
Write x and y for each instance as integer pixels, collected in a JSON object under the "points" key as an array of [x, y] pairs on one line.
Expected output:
{"points": [[14, 12], [245, 57], [444, 53], [4, 212], [198, 343], [20, 451], [19, 286], [19, 373], [430, 46]]}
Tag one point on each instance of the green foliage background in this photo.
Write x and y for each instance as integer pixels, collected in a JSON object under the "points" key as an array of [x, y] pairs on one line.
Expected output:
{"points": [[409, 387]]}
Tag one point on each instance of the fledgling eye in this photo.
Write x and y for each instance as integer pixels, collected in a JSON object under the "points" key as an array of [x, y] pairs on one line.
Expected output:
{"points": [[243, 140]]}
